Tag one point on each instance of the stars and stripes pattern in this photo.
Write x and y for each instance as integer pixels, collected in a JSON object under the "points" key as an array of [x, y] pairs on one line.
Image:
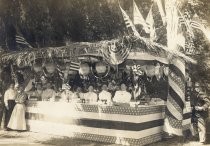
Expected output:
{"points": [[20, 40], [138, 18], [190, 47], [176, 97], [74, 66], [160, 4], [176, 78], [115, 54], [129, 23]]}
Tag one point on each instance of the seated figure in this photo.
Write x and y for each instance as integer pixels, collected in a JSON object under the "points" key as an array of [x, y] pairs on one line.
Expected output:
{"points": [[90, 96], [48, 94], [78, 94], [104, 95], [122, 96], [66, 94], [35, 94]]}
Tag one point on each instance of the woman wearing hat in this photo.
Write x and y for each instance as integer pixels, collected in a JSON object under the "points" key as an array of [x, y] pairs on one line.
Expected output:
{"points": [[200, 103]]}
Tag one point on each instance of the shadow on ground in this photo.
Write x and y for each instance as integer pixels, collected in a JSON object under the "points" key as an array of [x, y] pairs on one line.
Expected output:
{"points": [[175, 141], [10, 136], [66, 141]]}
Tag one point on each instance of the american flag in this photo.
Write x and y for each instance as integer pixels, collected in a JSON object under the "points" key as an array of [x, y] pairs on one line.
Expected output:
{"points": [[138, 18], [176, 78], [74, 66], [129, 23], [21, 41]]}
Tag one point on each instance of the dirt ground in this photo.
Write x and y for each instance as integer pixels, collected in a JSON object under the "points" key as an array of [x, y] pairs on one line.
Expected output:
{"points": [[10, 138]]}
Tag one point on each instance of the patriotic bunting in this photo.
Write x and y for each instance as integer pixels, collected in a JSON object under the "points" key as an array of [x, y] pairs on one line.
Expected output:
{"points": [[176, 97], [115, 54], [176, 78]]}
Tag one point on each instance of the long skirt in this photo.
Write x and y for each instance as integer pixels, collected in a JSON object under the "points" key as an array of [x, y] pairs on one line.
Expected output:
{"points": [[8, 112], [17, 120]]}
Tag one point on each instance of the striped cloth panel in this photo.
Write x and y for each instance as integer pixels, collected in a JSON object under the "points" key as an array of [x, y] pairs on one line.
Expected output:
{"points": [[176, 97]]}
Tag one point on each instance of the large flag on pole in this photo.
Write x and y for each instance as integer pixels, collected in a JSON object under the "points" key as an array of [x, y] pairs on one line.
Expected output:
{"points": [[129, 23], [138, 18], [161, 10]]}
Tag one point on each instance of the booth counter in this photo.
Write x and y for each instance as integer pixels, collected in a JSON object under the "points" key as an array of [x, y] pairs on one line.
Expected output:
{"points": [[112, 124]]}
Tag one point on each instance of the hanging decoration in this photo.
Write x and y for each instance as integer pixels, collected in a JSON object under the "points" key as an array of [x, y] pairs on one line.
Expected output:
{"points": [[115, 52], [101, 67], [100, 70], [137, 70]]}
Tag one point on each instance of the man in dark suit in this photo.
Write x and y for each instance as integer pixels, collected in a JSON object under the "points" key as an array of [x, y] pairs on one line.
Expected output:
{"points": [[200, 106]]}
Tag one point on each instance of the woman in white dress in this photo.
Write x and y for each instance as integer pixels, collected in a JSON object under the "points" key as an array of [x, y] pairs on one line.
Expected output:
{"points": [[17, 120], [122, 96]]}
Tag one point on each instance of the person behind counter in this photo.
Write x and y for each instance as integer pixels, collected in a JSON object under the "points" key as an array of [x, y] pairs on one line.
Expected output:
{"points": [[78, 94], [66, 94], [104, 95], [37, 93], [17, 120], [122, 95], [90, 96], [48, 94]]}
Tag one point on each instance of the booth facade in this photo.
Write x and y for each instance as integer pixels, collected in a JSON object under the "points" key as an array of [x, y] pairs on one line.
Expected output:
{"points": [[112, 124]]}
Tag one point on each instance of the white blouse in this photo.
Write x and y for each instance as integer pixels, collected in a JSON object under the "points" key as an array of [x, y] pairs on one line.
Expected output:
{"points": [[122, 96], [105, 95]]}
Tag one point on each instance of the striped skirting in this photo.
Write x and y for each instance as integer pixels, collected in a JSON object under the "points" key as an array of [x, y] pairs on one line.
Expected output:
{"points": [[111, 124]]}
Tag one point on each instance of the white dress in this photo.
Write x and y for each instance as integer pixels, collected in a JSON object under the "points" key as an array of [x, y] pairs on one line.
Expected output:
{"points": [[17, 120]]}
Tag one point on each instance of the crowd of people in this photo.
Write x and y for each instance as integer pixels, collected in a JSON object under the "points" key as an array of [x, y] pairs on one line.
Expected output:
{"points": [[15, 97], [91, 95]]}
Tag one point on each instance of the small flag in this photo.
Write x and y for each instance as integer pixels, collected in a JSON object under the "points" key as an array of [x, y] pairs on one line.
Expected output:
{"points": [[74, 66], [22, 41]]}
